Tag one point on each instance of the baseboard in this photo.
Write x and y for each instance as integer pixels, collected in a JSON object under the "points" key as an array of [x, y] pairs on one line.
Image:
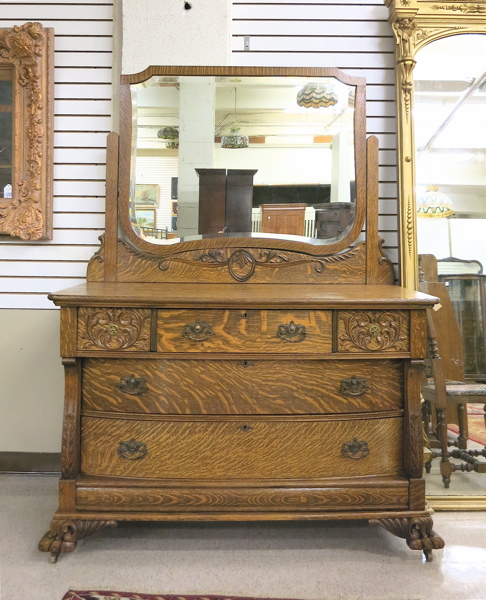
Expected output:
{"points": [[30, 462]]}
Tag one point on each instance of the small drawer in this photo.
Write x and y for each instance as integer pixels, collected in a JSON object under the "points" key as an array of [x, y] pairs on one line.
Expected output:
{"points": [[241, 386], [256, 331], [373, 331], [113, 329], [241, 449]]}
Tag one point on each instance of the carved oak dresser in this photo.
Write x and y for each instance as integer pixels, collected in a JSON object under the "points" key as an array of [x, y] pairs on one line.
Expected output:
{"points": [[241, 378]]}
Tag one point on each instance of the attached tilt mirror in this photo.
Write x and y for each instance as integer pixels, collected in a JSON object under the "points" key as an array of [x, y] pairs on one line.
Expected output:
{"points": [[243, 152]]}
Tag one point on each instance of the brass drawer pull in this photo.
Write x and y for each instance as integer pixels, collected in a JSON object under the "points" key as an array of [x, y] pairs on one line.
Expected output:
{"points": [[132, 450], [354, 386], [355, 449], [293, 332], [198, 332], [132, 385]]}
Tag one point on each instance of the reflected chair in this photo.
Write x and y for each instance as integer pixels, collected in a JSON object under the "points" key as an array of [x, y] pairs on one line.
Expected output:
{"points": [[446, 388]]}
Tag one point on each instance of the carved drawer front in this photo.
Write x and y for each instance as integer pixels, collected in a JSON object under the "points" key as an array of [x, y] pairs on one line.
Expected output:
{"points": [[241, 448], [244, 330], [241, 386], [114, 329], [373, 331]]}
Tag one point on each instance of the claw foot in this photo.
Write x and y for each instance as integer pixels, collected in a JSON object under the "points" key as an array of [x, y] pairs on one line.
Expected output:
{"points": [[64, 535], [416, 531]]}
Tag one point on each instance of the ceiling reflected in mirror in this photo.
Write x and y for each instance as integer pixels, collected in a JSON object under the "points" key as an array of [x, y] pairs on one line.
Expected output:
{"points": [[239, 155]]}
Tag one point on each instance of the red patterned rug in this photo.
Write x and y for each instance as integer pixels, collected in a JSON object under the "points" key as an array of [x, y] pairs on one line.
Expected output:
{"points": [[475, 424], [97, 595]]}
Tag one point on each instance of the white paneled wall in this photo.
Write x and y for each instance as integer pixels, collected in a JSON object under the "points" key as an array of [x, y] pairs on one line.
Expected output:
{"points": [[82, 119], [352, 35], [349, 34]]}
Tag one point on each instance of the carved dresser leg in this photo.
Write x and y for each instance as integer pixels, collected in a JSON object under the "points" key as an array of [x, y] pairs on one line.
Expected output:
{"points": [[417, 531], [64, 535]]}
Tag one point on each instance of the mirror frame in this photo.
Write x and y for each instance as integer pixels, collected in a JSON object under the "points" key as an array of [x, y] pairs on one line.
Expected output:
{"points": [[415, 24], [308, 245], [29, 49]]}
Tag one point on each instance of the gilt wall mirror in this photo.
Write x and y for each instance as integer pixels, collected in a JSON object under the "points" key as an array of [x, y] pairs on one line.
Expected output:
{"points": [[26, 113], [287, 144], [441, 102]]}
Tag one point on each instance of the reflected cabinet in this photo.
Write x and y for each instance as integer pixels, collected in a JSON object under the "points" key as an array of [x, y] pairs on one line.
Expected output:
{"points": [[241, 376]]}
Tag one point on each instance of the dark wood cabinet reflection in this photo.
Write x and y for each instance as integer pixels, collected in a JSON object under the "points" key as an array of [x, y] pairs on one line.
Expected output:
{"points": [[467, 293]]}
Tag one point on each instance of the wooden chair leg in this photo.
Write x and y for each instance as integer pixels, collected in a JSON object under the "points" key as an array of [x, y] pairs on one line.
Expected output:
{"points": [[462, 423], [445, 464], [426, 421]]}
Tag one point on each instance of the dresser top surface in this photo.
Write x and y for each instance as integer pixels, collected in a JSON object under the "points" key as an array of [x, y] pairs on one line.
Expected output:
{"points": [[187, 295]]}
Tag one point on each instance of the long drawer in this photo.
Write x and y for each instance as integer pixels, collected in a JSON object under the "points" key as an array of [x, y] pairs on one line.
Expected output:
{"points": [[301, 496], [241, 449], [241, 386], [258, 331]]}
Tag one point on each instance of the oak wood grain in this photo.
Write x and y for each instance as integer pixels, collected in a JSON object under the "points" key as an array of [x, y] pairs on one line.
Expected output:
{"points": [[68, 331], [413, 427], [242, 386], [391, 496], [242, 295], [216, 265], [245, 330], [241, 449], [111, 208], [417, 494], [418, 341]]}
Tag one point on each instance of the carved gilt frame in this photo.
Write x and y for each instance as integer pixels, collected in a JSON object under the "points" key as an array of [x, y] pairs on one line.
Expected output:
{"points": [[415, 24], [29, 50]]}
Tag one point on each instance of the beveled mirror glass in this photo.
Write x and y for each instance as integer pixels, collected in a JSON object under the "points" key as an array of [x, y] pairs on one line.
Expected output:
{"points": [[245, 152]]}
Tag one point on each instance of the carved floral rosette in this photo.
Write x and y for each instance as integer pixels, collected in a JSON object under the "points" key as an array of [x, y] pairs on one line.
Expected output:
{"points": [[373, 331], [28, 49], [114, 329]]}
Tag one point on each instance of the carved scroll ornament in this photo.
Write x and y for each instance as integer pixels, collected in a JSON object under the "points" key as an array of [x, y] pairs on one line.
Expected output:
{"points": [[28, 49], [373, 331], [114, 329]]}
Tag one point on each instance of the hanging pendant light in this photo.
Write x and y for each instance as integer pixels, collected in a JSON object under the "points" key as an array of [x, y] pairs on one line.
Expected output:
{"points": [[317, 95], [234, 140], [433, 203], [171, 134]]}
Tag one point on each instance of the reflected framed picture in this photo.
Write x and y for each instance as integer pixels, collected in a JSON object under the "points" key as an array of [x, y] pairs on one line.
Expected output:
{"points": [[146, 195], [145, 217]]}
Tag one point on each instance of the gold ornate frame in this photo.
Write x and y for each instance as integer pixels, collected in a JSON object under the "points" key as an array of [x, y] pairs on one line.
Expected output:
{"points": [[29, 49], [415, 24]]}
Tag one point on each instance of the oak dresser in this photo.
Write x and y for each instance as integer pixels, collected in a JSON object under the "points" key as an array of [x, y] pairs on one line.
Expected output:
{"points": [[241, 378]]}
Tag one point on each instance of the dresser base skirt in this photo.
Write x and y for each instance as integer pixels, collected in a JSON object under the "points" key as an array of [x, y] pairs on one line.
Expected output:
{"points": [[100, 503]]}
